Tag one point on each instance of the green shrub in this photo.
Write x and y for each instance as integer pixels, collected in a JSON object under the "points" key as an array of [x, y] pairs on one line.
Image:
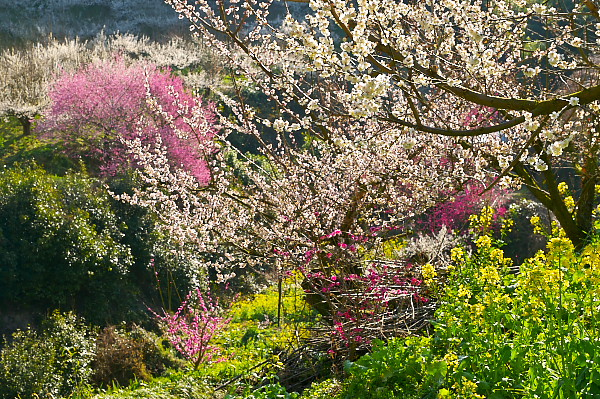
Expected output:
{"points": [[404, 368], [328, 389], [59, 244], [56, 361], [66, 244], [157, 353], [119, 359], [174, 386], [268, 391], [123, 357]]}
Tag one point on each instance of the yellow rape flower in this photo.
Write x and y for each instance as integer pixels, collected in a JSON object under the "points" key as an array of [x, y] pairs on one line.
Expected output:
{"points": [[536, 222], [489, 275], [561, 249], [484, 242], [477, 309], [451, 360], [457, 254], [428, 272], [563, 188], [497, 257], [484, 219], [467, 389], [464, 292], [570, 203], [507, 225]]}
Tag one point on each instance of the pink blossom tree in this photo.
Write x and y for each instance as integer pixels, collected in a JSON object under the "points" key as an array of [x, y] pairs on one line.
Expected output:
{"points": [[193, 326], [97, 109]]}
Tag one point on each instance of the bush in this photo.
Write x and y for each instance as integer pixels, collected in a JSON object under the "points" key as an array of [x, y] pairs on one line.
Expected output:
{"points": [[534, 334], [119, 359], [327, 389], [268, 391], [59, 244], [404, 368], [66, 244], [126, 356], [56, 361]]}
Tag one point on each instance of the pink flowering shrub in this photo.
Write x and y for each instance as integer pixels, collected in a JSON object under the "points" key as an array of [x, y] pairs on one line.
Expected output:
{"points": [[97, 109], [191, 328], [454, 214], [360, 299]]}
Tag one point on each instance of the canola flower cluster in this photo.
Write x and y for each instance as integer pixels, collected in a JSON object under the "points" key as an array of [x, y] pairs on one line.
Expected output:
{"points": [[487, 312]]}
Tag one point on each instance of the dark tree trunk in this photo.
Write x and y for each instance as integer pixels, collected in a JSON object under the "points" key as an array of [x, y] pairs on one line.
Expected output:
{"points": [[26, 123], [576, 224]]}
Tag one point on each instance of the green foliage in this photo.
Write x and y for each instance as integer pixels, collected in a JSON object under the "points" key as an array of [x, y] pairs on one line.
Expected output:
{"points": [[60, 244], [66, 243], [171, 386], [252, 343], [56, 361], [267, 391], [534, 334], [16, 148], [404, 368], [263, 306], [328, 389]]}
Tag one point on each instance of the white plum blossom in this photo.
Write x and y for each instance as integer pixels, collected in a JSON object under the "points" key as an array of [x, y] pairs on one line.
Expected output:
{"points": [[554, 58], [471, 79], [540, 165], [409, 143], [538, 8], [531, 72]]}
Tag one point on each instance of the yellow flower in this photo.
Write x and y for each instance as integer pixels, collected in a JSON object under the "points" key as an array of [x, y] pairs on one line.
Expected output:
{"points": [[560, 249], [477, 309], [466, 389], [507, 225], [536, 222], [451, 360], [484, 220], [489, 274], [484, 242], [497, 256], [570, 203], [457, 254], [464, 292], [563, 188], [428, 272]]}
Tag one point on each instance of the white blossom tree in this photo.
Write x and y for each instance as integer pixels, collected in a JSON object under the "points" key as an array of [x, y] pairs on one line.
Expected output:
{"points": [[335, 184], [511, 85], [26, 74]]}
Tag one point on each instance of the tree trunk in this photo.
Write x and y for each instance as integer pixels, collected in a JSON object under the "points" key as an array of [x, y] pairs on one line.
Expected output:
{"points": [[26, 123], [554, 202]]}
